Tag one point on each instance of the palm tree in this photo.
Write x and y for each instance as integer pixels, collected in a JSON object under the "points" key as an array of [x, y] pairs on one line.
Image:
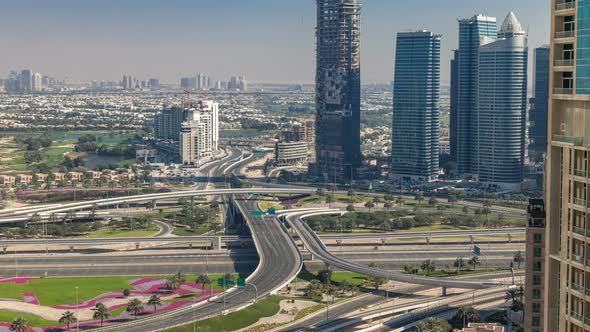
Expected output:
{"points": [[465, 209], [203, 279], [155, 301], [350, 208], [459, 264], [175, 281], [518, 258], [369, 205], [468, 314], [101, 312], [433, 324], [19, 324], [387, 205], [474, 261], [428, 266], [68, 318], [134, 306]]}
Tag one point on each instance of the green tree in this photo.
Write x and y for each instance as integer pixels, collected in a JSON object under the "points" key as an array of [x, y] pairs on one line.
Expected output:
{"points": [[203, 279], [432, 201], [101, 312], [474, 261], [67, 318], [350, 208], [459, 264], [175, 281], [19, 324], [135, 306], [369, 205], [518, 258], [468, 314], [433, 324], [428, 266], [155, 300]]}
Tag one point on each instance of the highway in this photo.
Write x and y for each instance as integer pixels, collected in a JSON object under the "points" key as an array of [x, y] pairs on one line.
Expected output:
{"points": [[315, 245], [280, 262]]}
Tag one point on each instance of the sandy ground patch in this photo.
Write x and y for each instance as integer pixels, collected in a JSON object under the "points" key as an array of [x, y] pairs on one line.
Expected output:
{"points": [[285, 315]]}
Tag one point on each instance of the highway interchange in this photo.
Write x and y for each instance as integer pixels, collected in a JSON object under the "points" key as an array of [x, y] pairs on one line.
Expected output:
{"points": [[279, 259]]}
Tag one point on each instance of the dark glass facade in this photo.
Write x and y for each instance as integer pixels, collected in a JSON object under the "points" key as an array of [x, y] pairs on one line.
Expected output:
{"points": [[416, 98]]}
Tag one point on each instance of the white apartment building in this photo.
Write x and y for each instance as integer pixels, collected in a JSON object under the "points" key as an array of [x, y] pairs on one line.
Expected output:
{"points": [[199, 134]]}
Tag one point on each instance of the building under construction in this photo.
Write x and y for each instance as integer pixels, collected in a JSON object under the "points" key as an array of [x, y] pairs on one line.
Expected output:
{"points": [[338, 87]]}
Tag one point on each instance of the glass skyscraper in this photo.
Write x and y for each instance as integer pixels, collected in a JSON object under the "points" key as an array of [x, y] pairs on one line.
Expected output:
{"points": [[453, 121], [338, 88], [501, 106], [416, 97], [471, 32], [539, 104]]}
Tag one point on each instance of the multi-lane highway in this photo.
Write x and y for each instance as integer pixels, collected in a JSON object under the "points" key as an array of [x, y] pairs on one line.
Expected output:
{"points": [[315, 245]]}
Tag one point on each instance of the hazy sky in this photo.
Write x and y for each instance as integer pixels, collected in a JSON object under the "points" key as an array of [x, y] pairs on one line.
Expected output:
{"points": [[266, 40]]}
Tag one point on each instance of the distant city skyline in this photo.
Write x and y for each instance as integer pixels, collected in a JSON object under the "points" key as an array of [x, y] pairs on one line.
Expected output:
{"points": [[265, 40]]}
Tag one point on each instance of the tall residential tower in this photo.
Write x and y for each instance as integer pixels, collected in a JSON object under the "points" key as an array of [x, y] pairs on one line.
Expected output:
{"points": [[501, 106], [539, 105], [338, 88], [416, 98], [565, 304], [471, 33]]}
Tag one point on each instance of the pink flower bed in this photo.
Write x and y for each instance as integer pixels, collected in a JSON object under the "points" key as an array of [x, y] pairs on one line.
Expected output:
{"points": [[145, 286], [23, 280]]}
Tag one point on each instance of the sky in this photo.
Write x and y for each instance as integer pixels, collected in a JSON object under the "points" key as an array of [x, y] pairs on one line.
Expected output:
{"points": [[265, 40]]}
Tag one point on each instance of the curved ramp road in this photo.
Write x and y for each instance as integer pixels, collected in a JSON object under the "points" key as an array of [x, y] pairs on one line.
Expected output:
{"points": [[315, 245], [280, 261]]}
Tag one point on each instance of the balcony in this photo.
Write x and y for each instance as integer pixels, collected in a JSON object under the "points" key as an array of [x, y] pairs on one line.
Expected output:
{"points": [[579, 259], [581, 231], [568, 139], [564, 34], [578, 288], [581, 202], [565, 6], [564, 63], [580, 172], [563, 91]]}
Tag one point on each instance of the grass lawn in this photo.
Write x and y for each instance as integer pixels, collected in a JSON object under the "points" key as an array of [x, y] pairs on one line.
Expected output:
{"points": [[58, 291], [34, 321], [237, 320], [115, 232], [337, 277], [432, 228], [265, 205], [118, 311]]}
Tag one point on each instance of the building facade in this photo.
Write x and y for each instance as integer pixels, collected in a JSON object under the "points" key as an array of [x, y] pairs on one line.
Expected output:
{"points": [[501, 107], [454, 105], [539, 104], [416, 106], [471, 33], [167, 123], [534, 265], [338, 88], [567, 195], [199, 134], [292, 153]]}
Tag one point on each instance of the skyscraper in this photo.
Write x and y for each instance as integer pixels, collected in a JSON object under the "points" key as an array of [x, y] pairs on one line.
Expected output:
{"points": [[565, 305], [338, 88], [539, 104], [454, 104], [26, 81], [471, 32], [501, 106], [416, 98]]}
